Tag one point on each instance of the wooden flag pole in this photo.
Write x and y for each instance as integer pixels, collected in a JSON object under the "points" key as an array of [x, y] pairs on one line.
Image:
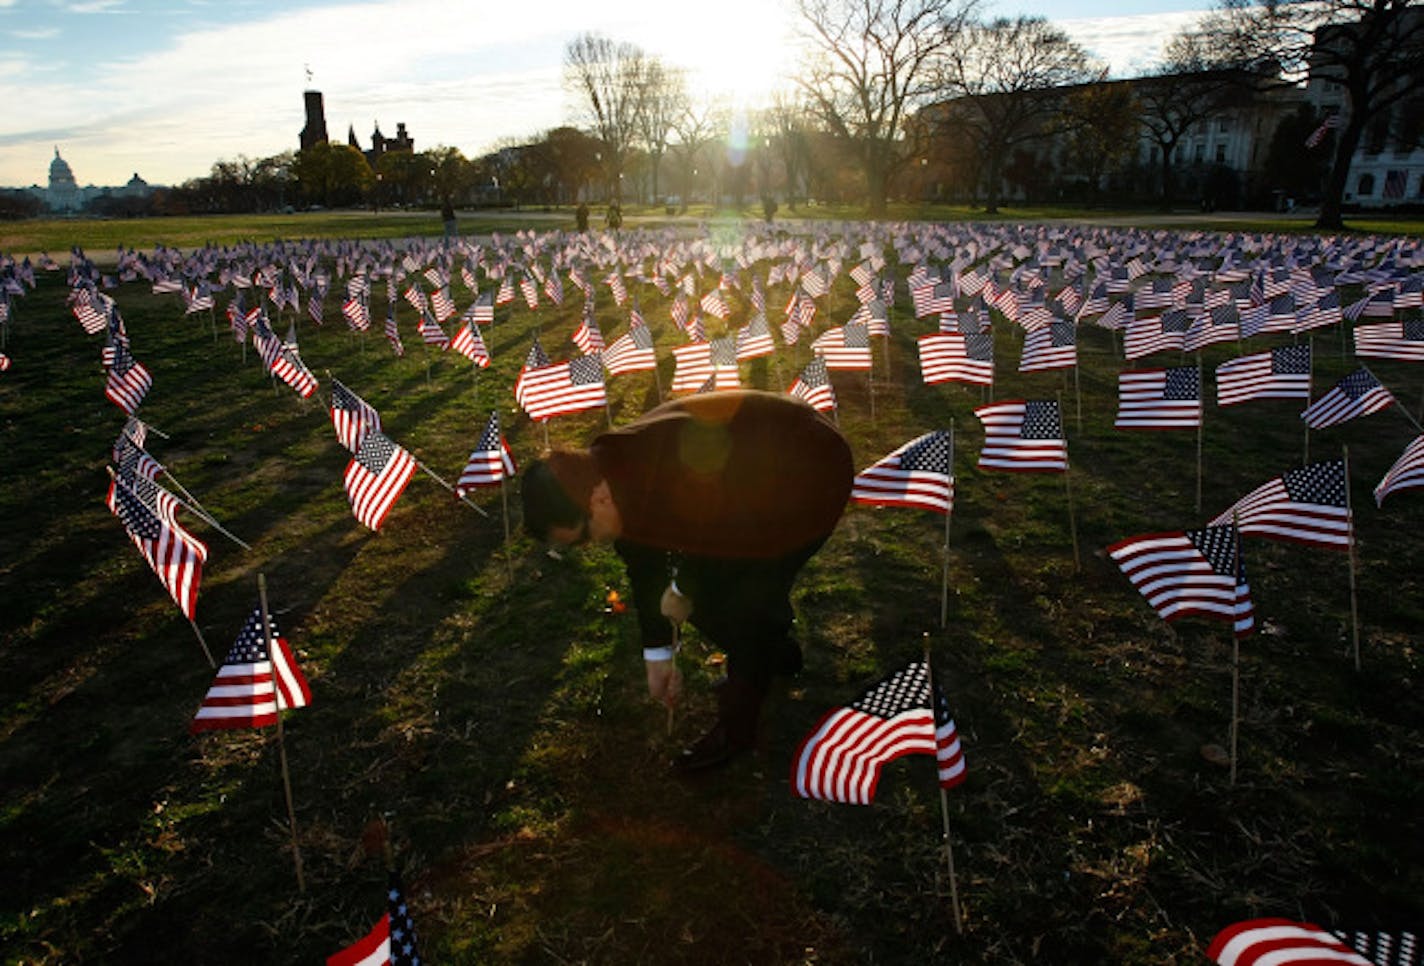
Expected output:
{"points": [[1309, 390], [1078, 394], [459, 496], [870, 380], [269, 638], [944, 814], [1235, 651], [1354, 600], [1068, 486], [202, 643], [504, 499], [1201, 430], [944, 577]]}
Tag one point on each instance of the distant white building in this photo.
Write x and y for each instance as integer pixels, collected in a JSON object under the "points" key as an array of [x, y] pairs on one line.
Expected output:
{"points": [[64, 195]]}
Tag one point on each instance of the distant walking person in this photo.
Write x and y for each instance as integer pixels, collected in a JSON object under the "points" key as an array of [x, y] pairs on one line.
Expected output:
{"points": [[447, 215]]}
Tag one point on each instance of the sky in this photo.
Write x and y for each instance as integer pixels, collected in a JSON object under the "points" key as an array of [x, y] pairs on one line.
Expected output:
{"points": [[164, 88]]}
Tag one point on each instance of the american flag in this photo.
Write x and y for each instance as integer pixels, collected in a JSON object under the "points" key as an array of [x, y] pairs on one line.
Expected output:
{"points": [[1280, 942], [416, 297], [564, 387], [352, 416], [1322, 312], [531, 292], [1318, 135], [1219, 323], [287, 366], [376, 477], [952, 357], [617, 286], [144, 486], [1117, 315], [845, 347], [91, 309], [714, 304], [470, 344], [587, 336], [1275, 315], [505, 295], [932, 299], [197, 299], [973, 281], [631, 352], [536, 359], [1358, 394], [1164, 333], [1378, 304], [431, 333], [482, 310], [816, 282], [393, 331], [917, 474], [1023, 436], [814, 386], [1055, 346], [1157, 295], [1159, 398], [392, 940], [441, 304], [128, 381], [491, 461], [1281, 373], [258, 676], [554, 288], [904, 714], [699, 361], [129, 443], [1391, 340], [1384, 948], [754, 339], [1196, 572], [316, 304], [1406, 473], [175, 555], [357, 313], [1306, 506]]}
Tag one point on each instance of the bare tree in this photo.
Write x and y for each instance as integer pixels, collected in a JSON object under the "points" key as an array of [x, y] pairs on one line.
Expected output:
{"points": [[1008, 77], [609, 77], [1102, 128], [663, 100], [787, 123], [870, 65], [1374, 49], [1188, 87], [697, 125]]}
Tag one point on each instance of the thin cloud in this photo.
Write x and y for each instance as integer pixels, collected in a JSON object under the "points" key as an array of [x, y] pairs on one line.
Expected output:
{"points": [[95, 6], [42, 34], [1130, 44]]}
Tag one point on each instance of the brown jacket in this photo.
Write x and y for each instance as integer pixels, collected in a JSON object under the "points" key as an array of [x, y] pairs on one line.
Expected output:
{"points": [[727, 475]]}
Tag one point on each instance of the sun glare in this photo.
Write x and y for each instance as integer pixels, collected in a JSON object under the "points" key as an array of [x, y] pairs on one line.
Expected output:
{"points": [[744, 53]]}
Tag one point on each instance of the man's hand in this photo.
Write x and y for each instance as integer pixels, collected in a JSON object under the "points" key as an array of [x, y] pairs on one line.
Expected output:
{"points": [[676, 606], [664, 682]]}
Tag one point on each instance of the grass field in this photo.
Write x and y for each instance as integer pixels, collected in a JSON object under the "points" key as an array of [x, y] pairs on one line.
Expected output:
{"points": [[477, 698]]}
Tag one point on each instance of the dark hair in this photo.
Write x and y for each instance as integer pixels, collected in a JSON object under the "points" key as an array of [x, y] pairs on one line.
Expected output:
{"points": [[556, 491]]}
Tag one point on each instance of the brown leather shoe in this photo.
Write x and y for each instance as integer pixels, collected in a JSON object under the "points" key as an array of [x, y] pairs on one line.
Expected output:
{"points": [[712, 750]]}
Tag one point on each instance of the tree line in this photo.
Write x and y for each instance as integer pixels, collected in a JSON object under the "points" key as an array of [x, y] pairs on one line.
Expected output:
{"points": [[910, 100]]}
